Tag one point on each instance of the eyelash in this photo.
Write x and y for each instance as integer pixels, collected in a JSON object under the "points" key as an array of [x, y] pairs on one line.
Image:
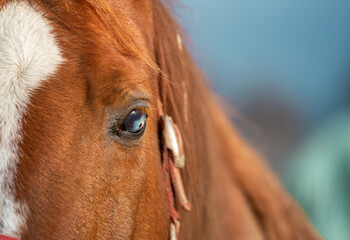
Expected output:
{"points": [[142, 109]]}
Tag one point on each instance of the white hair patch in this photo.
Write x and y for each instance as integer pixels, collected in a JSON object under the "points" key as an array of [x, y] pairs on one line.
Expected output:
{"points": [[29, 55]]}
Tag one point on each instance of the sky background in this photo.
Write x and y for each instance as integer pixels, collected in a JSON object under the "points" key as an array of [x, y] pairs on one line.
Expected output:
{"points": [[296, 49]]}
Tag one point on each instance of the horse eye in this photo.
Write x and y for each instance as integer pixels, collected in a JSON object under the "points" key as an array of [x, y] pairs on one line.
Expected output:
{"points": [[134, 123]]}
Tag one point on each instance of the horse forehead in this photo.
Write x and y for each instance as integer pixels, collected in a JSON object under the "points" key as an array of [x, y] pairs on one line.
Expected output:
{"points": [[29, 55], [28, 50]]}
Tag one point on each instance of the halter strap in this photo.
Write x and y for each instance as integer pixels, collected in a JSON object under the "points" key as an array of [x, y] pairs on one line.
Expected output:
{"points": [[173, 158]]}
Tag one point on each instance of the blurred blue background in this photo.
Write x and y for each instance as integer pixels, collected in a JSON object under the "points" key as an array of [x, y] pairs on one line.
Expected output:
{"points": [[285, 66]]}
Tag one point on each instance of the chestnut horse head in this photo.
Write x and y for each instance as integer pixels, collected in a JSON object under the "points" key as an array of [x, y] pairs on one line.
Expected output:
{"points": [[80, 149]]}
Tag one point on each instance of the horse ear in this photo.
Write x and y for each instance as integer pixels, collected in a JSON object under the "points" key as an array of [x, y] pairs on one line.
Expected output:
{"points": [[280, 216]]}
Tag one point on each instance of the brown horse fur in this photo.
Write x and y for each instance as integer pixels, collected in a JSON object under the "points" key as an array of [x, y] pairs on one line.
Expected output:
{"points": [[78, 183]]}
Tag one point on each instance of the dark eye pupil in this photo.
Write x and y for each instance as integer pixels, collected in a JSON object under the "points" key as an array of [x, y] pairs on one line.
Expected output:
{"points": [[135, 122]]}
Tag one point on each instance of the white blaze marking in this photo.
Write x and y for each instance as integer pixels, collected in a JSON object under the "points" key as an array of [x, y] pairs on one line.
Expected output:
{"points": [[28, 55]]}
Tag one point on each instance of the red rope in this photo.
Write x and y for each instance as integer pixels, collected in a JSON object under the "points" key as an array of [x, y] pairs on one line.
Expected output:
{"points": [[176, 180], [3, 237], [172, 176], [173, 214]]}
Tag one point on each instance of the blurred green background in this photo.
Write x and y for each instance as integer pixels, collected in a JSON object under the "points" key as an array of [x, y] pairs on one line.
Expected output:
{"points": [[284, 66]]}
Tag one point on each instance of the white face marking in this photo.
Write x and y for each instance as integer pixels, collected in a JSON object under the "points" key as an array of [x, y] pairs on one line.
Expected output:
{"points": [[29, 55]]}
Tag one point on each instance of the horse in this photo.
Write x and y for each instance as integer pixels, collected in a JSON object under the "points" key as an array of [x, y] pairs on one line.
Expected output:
{"points": [[87, 89]]}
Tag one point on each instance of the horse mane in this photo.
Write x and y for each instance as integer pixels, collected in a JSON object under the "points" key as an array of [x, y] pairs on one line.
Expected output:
{"points": [[119, 33], [181, 89], [202, 122]]}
